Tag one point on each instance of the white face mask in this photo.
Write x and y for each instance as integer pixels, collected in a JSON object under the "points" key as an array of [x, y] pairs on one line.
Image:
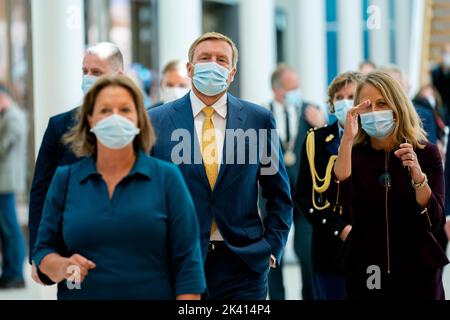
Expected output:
{"points": [[169, 94], [447, 60], [378, 124], [115, 132], [341, 108], [293, 98], [88, 83], [431, 101]]}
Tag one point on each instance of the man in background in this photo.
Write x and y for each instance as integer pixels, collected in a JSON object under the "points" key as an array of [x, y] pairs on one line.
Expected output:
{"points": [[13, 134], [294, 117], [175, 82], [101, 59]]}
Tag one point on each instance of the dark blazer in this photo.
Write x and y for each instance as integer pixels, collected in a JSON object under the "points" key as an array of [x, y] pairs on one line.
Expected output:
{"points": [[233, 202], [327, 225], [441, 80], [303, 127], [426, 115], [52, 154]]}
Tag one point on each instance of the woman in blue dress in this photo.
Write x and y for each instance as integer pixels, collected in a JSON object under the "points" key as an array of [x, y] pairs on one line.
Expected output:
{"points": [[118, 224]]}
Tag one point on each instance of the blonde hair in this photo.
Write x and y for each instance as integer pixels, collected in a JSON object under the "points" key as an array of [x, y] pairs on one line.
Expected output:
{"points": [[341, 81], [214, 36], [408, 124], [83, 143]]}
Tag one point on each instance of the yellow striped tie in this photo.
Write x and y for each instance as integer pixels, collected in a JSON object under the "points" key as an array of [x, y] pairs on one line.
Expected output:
{"points": [[209, 152]]}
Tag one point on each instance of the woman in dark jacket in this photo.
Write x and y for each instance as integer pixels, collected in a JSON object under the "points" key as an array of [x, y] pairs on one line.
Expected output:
{"points": [[391, 180]]}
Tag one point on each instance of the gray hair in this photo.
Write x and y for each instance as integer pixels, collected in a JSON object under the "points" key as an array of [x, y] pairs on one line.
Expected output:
{"points": [[277, 75], [108, 51]]}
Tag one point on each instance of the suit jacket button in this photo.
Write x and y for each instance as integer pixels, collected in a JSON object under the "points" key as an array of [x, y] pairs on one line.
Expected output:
{"points": [[336, 233], [324, 221], [311, 210]]}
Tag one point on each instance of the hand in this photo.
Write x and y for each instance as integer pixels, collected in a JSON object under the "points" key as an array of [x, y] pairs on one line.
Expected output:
{"points": [[273, 261], [80, 264], [34, 274], [351, 122], [314, 117], [345, 232], [409, 159]]}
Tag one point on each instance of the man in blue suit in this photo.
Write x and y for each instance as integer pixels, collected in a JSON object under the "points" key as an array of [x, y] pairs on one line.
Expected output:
{"points": [[100, 59], [222, 144]]}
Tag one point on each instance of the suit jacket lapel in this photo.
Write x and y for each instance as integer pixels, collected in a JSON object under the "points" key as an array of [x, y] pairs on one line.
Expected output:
{"points": [[235, 120], [183, 118]]}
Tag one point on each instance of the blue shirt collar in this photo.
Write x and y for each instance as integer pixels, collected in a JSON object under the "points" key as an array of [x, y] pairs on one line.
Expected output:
{"points": [[88, 169]]}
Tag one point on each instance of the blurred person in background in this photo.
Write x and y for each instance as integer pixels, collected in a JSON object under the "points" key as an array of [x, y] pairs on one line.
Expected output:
{"points": [[13, 136], [429, 98], [123, 219], [440, 76], [330, 228], [425, 113], [144, 78], [100, 59], [367, 67], [175, 82], [294, 117]]}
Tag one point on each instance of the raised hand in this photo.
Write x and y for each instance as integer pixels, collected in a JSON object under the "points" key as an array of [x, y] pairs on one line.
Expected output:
{"points": [[351, 122]]}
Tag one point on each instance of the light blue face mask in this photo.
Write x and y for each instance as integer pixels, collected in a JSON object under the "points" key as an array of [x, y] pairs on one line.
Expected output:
{"points": [[378, 124], [115, 132], [341, 108], [210, 78], [88, 83], [293, 98]]}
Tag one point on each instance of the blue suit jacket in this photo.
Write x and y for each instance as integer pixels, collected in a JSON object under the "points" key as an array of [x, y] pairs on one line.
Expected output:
{"points": [[233, 202], [52, 154]]}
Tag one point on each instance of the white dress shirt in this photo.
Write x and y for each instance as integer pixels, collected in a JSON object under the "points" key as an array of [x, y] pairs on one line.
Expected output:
{"points": [[280, 119], [219, 120]]}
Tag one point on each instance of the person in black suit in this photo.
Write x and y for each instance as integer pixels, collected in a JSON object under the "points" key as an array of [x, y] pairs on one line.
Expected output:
{"points": [[329, 228], [441, 80], [103, 58], [294, 118], [445, 237]]}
